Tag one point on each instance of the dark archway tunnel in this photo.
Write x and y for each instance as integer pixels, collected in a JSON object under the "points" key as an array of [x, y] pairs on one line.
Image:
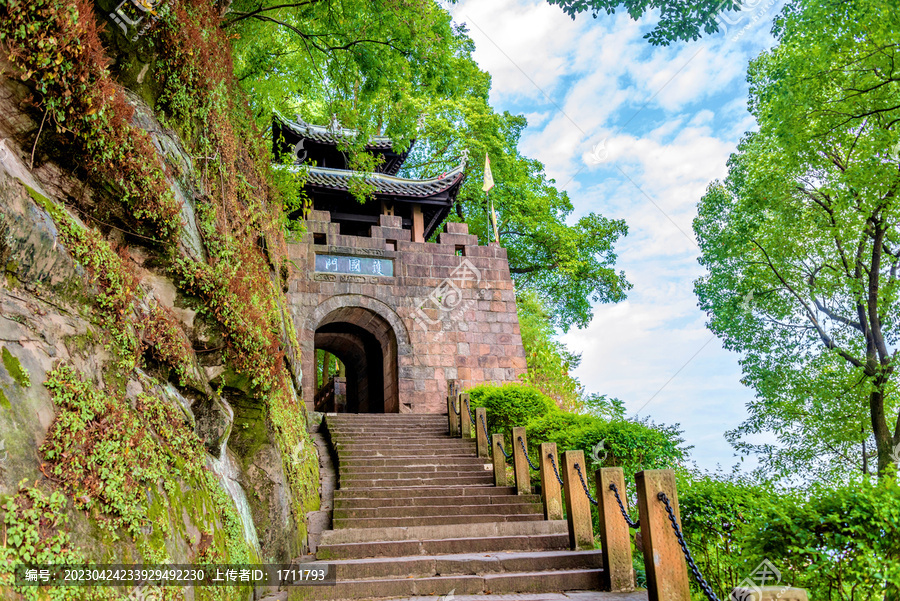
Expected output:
{"points": [[366, 345]]}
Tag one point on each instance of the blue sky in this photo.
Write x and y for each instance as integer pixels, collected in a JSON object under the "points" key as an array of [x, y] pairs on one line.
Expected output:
{"points": [[635, 132]]}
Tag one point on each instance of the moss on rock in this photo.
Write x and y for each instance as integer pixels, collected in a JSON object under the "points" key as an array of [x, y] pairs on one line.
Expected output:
{"points": [[14, 369]]}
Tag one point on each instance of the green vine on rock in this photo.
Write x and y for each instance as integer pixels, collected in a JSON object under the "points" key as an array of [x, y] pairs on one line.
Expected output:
{"points": [[103, 452], [56, 49], [117, 286], [33, 532], [246, 322], [164, 338]]}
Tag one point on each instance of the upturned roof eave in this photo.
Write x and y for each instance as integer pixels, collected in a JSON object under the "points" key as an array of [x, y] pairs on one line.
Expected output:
{"points": [[324, 135]]}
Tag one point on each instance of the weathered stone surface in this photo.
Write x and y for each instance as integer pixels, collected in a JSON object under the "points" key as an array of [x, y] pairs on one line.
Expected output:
{"points": [[170, 150], [551, 491], [270, 502], [30, 250], [214, 417], [578, 506]]}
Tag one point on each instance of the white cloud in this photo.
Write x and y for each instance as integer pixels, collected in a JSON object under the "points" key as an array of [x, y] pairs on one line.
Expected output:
{"points": [[505, 33]]}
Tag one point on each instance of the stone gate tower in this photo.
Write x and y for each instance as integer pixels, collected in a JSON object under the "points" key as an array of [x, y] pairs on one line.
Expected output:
{"points": [[405, 316]]}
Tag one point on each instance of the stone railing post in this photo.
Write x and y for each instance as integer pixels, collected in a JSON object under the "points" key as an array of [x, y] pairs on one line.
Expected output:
{"points": [[551, 492], [465, 421], [615, 536], [520, 462], [452, 418], [481, 437], [578, 506], [667, 576], [499, 460]]}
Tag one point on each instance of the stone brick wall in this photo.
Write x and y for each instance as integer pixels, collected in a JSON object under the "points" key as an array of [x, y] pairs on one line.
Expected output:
{"points": [[448, 312]]}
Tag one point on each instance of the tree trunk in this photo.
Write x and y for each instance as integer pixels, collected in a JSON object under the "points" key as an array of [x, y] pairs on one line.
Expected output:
{"points": [[884, 446]]}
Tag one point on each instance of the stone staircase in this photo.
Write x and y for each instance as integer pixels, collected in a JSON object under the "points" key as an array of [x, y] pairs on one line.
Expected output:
{"points": [[416, 514]]}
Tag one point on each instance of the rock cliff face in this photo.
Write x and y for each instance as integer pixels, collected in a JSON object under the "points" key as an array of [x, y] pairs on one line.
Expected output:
{"points": [[149, 405]]}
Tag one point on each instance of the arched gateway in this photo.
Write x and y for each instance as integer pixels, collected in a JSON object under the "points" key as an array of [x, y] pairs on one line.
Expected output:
{"points": [[404, 316], [367, 336]]}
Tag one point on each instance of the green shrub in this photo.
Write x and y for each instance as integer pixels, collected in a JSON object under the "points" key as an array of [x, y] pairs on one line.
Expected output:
{"points": [[511, 405], [716, 511], [565, 429], [839, 543], [631, 445]]}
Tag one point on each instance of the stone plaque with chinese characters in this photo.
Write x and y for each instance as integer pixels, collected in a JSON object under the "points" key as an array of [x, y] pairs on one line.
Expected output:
{"points": [[354, 265]]}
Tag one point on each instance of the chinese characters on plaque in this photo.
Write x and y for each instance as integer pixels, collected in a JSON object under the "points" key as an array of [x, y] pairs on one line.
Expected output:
{"points": [[354, 265]]}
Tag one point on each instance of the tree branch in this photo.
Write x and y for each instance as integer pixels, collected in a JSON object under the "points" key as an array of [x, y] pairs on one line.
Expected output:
{"points": [[253, 13], [826, 339]]}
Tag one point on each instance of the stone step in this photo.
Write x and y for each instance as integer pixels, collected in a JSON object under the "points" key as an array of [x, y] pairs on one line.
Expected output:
{"points": [[378, 452], [409, 502], [390, 483], [397, 474], [431, 455], [491, 544], [425, 566], [425, 443], [375, 451], [433, 520], [416, 471], [430, 510], [427, 428], [494, 583], [474, 530], [384, 416], [425, 491], [564, 596], [377, 462], [374, 420], [399, 443], [398, 436]]}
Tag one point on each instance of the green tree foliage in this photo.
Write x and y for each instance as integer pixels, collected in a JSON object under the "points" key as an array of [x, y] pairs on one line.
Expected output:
{"points": [[801, 241], [382, 67], [549, 361], [629, 444], [677, 20]]}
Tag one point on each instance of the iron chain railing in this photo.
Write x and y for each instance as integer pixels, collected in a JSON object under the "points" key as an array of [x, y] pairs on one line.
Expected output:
{"points": [[632, 524], [555, 471], [701, 581], [527, 458], [584, 485], [502, 450]]}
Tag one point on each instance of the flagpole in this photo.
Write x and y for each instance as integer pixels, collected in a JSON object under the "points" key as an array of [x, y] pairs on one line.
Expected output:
{"points": [[487, 210]]}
